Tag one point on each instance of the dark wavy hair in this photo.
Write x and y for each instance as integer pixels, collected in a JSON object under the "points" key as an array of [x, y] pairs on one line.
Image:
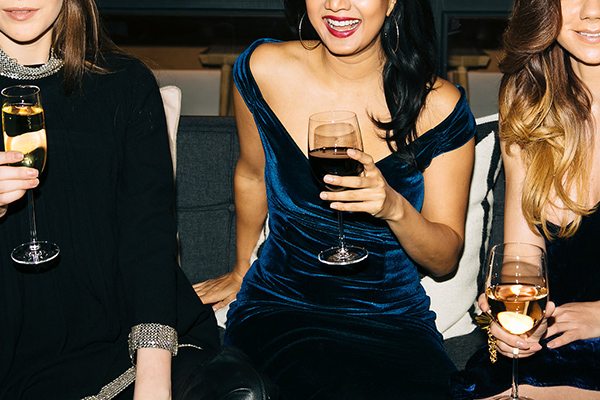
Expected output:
{"points": [[409, 69], [78, 38]]}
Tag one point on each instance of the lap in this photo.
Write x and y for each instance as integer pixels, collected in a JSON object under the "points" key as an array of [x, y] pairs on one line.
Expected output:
{"points": [[333, 357]]}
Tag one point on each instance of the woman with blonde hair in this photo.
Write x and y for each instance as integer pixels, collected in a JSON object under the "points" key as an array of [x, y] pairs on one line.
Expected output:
{"points": [[550, 114]]}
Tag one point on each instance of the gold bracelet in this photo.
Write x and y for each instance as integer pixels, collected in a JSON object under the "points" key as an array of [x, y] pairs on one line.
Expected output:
{"points": [[485, 321]]}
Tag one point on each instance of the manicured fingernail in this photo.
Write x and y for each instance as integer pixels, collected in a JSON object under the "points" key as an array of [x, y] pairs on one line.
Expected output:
{"points": [[328, 178], [323, 195], [351, 152], [17, 156], [32, 172]]}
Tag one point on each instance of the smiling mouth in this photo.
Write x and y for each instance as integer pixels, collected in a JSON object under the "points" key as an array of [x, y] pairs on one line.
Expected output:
{"points": [[342, 25], [589, 34]]}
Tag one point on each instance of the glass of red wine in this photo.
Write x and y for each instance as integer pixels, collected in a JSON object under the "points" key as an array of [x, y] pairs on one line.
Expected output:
{"points": [[330, 135], [517, 292]]}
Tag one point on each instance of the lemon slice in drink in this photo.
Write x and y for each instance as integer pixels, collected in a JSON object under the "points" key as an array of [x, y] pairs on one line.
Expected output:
{"points": [[515, 323]]}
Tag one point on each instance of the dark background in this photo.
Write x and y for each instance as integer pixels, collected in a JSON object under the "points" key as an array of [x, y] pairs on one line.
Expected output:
{"points": [[463, 26]]}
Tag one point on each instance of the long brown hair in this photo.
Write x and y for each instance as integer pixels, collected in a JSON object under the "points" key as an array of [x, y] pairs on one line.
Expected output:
{"points": [[546, 111], [80, 40]]}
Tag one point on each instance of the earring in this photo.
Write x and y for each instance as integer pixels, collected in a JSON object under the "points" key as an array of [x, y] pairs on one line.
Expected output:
{"points": [[307, 47], [397, 34]]}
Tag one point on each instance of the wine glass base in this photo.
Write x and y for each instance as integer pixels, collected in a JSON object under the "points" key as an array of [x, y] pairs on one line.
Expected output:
{"points": [[35, 253], [343, 256], [509, 397]]}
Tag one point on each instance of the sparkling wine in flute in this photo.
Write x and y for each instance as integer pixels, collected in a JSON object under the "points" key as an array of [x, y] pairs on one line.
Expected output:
{"points": [[333, 161], [518, 308], [23, 129]]}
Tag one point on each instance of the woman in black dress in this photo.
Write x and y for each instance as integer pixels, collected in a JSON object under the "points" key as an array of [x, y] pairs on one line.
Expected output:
{"points": [[106, 198]]}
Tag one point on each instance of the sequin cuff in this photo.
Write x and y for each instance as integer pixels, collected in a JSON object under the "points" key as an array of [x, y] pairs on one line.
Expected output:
{"points": [[154, 336]]}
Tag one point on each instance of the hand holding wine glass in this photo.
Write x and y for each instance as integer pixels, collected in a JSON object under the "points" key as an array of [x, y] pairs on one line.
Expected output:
{"points": [[24, 130], [517, 294], [330, 135]]}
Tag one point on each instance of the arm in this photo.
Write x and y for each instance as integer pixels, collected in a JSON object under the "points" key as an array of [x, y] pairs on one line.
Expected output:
{"points": [[433, 238], [14, 181], [516, 229], [153, 374], [250, 207], [147, 229]]}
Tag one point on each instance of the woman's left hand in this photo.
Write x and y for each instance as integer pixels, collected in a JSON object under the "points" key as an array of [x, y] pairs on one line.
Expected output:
{"points": [[574, 321], [368, 192]]}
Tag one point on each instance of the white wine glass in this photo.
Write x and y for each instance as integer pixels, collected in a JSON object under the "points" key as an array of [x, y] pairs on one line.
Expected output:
{"points": [[330, 135], [24, 130], [517, 292]]}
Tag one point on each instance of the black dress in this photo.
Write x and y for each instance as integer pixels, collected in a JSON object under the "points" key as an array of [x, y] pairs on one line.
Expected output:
{"points": [[106, 198]]}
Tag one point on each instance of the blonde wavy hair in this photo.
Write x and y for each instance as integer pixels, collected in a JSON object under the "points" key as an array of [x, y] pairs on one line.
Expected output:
{"points": [[546, 111]]}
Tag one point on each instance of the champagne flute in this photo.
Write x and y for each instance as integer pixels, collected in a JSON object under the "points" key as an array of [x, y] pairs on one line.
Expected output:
{"points": [[24, 130], [517, 292], [330, 135]]}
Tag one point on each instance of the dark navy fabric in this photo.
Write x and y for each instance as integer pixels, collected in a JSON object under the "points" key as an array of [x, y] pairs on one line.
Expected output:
{"points": [[574, 276], [287, 285]]}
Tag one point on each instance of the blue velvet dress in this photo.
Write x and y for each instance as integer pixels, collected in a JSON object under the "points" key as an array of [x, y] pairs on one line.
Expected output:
{"points": [[321, 335], [574, 276]]}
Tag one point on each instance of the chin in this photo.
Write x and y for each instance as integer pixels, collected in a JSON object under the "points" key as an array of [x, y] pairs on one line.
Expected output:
{"points": [[589, 59], [25, 35]]}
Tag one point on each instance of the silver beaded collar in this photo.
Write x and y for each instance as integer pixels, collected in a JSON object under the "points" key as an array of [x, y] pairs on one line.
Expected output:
{"points": [[10, 68]]}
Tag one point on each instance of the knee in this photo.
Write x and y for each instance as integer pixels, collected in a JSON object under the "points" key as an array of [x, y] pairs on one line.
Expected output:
{"points": [[230, 376]]}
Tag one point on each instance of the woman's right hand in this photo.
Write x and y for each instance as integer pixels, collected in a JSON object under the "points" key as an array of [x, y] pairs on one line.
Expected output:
{"points": [[527, 345], [219, 291], [14, 181]]}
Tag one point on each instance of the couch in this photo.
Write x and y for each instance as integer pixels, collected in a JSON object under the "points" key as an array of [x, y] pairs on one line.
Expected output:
{"points": [[207, 150]]}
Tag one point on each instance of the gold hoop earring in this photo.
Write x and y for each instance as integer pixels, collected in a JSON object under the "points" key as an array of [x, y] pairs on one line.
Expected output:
{"points": [[302, 42]]}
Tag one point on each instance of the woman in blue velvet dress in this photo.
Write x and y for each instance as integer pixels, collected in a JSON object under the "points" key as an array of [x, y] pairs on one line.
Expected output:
{"points": [[549, 109], [369, 334]]}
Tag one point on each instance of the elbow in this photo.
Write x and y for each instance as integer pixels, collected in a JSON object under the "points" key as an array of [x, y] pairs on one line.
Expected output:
{"points": [[446, 266]]}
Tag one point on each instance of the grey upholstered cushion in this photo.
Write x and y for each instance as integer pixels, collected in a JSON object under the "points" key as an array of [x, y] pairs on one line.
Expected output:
{"points": [[207, 149]]}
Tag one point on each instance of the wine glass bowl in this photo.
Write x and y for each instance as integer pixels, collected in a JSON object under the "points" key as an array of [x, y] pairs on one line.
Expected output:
{"points": [[517, 292], [330, 135], [24, 130]]}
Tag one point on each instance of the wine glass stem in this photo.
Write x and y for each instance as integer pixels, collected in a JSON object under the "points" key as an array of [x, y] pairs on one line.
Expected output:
{"points": [[341, 237], [31, 213], [514, 393]]}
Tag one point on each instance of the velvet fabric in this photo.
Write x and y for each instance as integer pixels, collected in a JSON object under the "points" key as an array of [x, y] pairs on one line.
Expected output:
{"points": [[293, 316], [574, 276]]}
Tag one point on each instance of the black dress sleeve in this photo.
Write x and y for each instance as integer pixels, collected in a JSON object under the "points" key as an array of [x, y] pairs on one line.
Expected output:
{"points": [[145, 207]]}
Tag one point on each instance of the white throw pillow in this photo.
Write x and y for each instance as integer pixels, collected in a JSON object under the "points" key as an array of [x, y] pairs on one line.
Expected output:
{"points": [[453, 299], [171, 97]]}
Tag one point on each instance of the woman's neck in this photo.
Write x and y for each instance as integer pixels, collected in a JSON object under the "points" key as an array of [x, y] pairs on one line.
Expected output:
{"points": [[34, 53], [354, 68]]}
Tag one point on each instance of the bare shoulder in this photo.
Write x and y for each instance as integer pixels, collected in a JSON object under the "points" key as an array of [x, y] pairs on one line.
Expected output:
{"points": [[272, 61], [443, 97], [440, 103]]}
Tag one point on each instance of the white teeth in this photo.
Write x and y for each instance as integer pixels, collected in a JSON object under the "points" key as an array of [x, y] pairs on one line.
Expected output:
{"points": [[592, 35], [339, 24]]}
